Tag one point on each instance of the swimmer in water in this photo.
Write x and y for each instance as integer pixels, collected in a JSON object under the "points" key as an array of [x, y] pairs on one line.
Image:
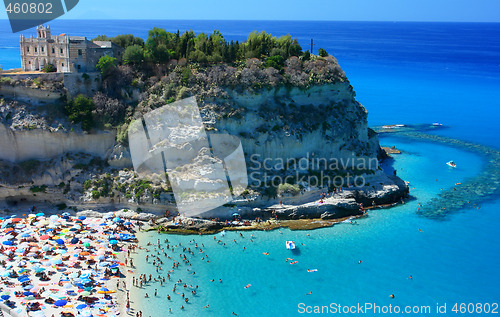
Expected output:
{"points": [[265, 253], [392, 296], [360, 262], [420, 230], [310, 293]]}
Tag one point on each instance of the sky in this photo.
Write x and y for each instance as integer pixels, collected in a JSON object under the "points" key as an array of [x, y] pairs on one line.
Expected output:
{"points": [[329, 10]]}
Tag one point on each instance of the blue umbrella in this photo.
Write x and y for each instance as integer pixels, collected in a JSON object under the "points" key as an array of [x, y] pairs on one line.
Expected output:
{"points": [[5, 297], [116, 219], [82, 217], [113, 241], [66, 214], [28, 294], [128, 223], [8, 242], [74, 241], [60, 241], [81, 306], [40, 214], [60, 302], [103, 224], [13, 216], [28, 287], [25, 235], [65, 217]]}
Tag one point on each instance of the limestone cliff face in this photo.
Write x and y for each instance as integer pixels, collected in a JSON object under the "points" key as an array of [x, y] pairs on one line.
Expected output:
{"points": [[16, 146], [324, 121]]}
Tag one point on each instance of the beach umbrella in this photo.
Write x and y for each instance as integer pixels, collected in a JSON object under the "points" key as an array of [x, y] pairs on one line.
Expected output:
{"points": [[86, 244], [82, 218], [25, 235], [84, 275], [40, 214], [5, 297], [60, 303], [8, 242], [56, 261], [39, 270], [66, 214], [81, 306], [16, 219], [116, 219], [44, 237], [74, 241], [128, 223], [85, 293], [60, 241], [28, 294], [28, 286], [113, 241]]}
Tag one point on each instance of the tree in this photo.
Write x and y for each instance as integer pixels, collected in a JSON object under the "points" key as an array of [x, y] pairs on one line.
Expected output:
{"points": [[49, 68], [306, 56], [106, 64], [80, 110], [133, 55], [322, 52], [275, 61], [126, 40], [102, 38]]}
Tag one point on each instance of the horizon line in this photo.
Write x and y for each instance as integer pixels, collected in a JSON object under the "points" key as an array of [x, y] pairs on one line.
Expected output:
{"points": [[267, 20]]}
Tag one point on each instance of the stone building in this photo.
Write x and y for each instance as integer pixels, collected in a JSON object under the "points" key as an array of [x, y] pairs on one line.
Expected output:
{"points": [[66, 53]]}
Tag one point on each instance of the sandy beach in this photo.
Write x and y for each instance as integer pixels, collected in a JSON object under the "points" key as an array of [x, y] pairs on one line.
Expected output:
{"points": [[62, 265]]}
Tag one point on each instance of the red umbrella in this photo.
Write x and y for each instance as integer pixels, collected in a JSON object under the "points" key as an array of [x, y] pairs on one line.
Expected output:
{"points": [[16, 219], [44, 237]]}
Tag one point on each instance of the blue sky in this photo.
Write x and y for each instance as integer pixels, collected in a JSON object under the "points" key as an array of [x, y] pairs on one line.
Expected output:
{"points": [[344, 10]]}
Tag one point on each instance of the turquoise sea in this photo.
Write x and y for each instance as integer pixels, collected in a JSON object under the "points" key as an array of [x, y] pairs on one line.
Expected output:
{"points": [[405, 73]]}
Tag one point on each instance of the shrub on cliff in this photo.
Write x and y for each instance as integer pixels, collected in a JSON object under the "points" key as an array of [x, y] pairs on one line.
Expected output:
{"points": [[79, 110], [133, 55], [106, 64], [322, 52], [49, 68]]}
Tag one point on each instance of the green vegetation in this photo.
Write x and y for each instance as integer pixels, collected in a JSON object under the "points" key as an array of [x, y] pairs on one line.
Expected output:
{"points": [[322, 52], [61, 206], [123, 40], [38, 189], [133, 55], [80, 110], [49, 68], [106, 64], [29, 166], [162, 46], [289, 189]]}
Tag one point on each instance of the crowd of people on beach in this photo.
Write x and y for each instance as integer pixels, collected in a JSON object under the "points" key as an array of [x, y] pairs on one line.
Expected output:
{"points": [[62, 265]]}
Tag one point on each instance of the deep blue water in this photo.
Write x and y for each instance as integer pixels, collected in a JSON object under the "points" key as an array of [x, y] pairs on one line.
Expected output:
{"points": [[402, 73]]}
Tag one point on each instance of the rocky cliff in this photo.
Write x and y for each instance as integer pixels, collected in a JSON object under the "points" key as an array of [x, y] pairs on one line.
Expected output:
{"points": [[303, 134]]}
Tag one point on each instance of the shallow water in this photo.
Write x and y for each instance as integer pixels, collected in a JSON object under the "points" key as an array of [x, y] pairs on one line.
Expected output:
{"points": [[454, 260]]}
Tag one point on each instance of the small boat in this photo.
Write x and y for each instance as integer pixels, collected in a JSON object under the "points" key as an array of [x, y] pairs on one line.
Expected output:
{"points": [[437, 124], [290, 245], [451, 164]]}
